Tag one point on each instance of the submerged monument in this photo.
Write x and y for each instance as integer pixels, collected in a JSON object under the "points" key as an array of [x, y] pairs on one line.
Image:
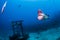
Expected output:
{"points": [[18, 33]]}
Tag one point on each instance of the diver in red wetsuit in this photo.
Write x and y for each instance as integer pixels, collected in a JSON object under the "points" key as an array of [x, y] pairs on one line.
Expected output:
{"points": [[41, 15]]}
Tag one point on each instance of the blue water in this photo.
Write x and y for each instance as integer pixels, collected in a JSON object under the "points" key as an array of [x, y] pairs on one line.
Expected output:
{"points": [[27, 10]]}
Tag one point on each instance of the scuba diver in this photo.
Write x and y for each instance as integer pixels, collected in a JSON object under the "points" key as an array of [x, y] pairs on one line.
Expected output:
{"points": [[41, 15]]}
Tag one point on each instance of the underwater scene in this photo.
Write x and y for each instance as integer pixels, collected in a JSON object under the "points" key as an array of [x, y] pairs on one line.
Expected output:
{"points": [[29, 19]]}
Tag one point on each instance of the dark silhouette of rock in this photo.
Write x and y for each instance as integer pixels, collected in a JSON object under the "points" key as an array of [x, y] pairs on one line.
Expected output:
{"points": [[58, 38]]}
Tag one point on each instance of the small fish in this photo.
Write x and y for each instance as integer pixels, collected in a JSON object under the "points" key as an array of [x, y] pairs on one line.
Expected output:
{"points": [[3, 7], [19, 5]]}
